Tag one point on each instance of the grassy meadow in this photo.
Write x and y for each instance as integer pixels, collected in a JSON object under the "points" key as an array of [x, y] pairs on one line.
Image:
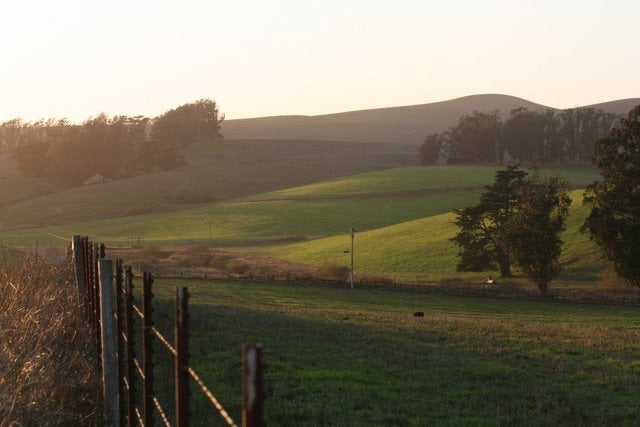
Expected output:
{"points": [[403, 216], [223, 170], [336, 356]]}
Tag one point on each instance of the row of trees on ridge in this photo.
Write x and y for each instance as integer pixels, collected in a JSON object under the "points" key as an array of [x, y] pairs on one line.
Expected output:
{"points": [[526, 136], [110, 146]]}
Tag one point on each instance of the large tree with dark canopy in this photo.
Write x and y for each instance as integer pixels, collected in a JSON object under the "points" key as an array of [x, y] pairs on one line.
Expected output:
{"points": [[193, 122], [482, 235], [532, 233], [614, 220]]}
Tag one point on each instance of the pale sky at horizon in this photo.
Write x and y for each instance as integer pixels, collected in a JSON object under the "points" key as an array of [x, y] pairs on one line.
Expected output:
{"points": [[75, 59]]}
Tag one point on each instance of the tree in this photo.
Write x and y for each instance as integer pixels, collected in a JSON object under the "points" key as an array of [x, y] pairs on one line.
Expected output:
{"points": [[476, 138], [482, 236], [431, 149], [189, 123], [532, 233], [614, 220]]}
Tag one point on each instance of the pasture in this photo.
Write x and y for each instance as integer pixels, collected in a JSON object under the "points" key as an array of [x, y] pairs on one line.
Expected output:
{"points": [[336, 356], [403, 216], [223, 170]]}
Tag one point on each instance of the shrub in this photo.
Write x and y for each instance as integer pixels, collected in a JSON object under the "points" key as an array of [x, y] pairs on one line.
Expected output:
{"points": [[238, 267], [611, 282], [332, 271]]}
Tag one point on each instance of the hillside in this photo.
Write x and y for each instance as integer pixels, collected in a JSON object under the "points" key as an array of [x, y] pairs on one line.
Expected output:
{"points": [[406, 124], [217, 171], [403, 216], [422, 250]]}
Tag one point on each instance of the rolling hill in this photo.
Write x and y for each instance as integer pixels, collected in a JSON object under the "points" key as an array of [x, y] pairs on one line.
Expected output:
{"points": [[406, 124], [403, 216], [421, 249], [218, 171]]}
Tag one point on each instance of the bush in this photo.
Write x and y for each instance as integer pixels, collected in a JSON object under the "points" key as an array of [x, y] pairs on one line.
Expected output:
{"points": [[611, 282], [333, 271], [238, 267]]}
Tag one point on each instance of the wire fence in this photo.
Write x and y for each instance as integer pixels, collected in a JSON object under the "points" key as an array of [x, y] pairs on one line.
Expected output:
{"points": [[106, 294]]}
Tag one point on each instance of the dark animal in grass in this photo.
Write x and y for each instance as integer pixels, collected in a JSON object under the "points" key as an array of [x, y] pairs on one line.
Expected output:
{"points": [[418, 314]]}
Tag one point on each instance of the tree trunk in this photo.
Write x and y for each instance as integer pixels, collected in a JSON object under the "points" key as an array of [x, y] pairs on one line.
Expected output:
{"points": [[505, 268], [543, 286]]}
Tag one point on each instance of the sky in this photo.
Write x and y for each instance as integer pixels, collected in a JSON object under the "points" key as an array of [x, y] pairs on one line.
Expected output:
{"points": [[76, 59]]}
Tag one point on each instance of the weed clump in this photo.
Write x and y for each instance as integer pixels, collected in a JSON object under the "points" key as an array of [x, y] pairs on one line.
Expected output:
{"points": [[47, 358]]}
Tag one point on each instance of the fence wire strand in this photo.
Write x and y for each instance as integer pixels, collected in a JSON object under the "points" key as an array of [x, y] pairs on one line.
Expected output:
{"points": [[212, 398], [163, 340], [165, 420]]}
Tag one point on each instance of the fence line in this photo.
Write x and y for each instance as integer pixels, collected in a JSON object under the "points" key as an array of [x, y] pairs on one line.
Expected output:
{"points": [[110, 312]]}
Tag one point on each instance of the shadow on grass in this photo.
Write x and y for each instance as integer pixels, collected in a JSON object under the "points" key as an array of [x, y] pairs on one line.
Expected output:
{"points": [[338, 371]]}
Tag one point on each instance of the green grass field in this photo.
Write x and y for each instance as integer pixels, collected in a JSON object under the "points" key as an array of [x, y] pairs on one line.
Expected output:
{"points": [[340, 357], [223, 170], [421, 249], [403, 216], [367, 201]]}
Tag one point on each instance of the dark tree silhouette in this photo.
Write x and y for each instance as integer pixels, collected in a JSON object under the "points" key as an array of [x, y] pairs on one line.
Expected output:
{"points": [[614, 220]]}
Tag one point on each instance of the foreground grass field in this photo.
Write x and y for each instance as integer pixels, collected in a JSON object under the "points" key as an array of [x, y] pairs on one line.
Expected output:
{"points": [[336, 357]]}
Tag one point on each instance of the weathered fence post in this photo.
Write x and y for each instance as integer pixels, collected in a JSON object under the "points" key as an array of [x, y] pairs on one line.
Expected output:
{"points": [[96, 292], [182, 357], [111, 411], [147, 348], [119, 339], [252, 385], [131, 381], [78, 264], [87, 280]]}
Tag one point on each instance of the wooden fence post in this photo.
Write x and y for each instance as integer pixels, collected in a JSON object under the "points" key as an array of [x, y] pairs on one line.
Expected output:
{"points": [[147, 348], [131, 380], [78, 264], [182, 357], [252, 386], [111, 411]]}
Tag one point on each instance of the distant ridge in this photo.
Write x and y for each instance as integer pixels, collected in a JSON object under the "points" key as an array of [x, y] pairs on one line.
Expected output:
{"points": [[404, 124]]}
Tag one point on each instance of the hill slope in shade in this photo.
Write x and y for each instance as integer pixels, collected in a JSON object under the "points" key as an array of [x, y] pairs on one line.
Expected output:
{"points": [[218, 171], [621, 106], [406, 124]]}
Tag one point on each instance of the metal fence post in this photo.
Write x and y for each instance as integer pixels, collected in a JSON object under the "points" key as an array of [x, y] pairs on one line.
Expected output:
{"points": [[182, 357], [119, 340], [78, 264], [87, 280], [131, 381], [147, 348], [96, 293], [111, 411], [252, 386]]}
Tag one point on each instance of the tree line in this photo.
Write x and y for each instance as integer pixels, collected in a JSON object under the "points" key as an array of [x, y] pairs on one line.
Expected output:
{"points": [[519, 218], [526, 136], [113, 147]]}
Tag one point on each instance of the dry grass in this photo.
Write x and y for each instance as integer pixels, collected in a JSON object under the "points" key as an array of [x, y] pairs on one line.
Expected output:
{"points": [[47, 361]]}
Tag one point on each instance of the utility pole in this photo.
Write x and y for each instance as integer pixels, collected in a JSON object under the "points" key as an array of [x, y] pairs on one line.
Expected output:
{"points": [[353, 233]]}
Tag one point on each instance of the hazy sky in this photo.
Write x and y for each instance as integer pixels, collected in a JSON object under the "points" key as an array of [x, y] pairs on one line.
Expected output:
{"points": [[73, 59]]}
